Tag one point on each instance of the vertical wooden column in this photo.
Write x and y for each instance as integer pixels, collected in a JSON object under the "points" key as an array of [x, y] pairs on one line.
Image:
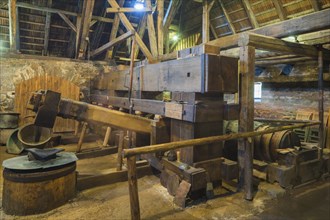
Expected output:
{"points": [[82, 136], [85, 26], [151, 31], [206, 22], [160, 32], [106, 137], [246, 100], [12, 24], [321, 100], [133, 188]]}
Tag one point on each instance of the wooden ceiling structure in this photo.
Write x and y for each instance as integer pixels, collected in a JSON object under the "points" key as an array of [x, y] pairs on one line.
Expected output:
{"points": [[102, 29]]}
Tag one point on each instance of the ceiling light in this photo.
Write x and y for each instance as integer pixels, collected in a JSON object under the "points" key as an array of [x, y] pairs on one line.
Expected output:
{"points": [[139, 4]]}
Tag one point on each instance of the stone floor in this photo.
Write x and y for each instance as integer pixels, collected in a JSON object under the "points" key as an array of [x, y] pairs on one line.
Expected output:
{"points": [[112, 201]]}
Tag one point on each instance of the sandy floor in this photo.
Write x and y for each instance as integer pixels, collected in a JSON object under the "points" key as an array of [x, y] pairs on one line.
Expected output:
{"points": [[112, 201]]}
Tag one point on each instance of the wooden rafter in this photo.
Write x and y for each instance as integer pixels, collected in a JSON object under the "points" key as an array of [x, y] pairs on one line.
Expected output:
{"points": [[160, 29], [141, 30], [47, 28], [280, 11], [129, 27], [112, 43], [67, 21], [12, 25], [114, 31], [151, 31], [125, 10], [227, 16], [86, 20], [250, 14], [53, 10]]}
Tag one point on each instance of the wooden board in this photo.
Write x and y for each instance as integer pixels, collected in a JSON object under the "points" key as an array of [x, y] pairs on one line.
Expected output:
{"points": [[24, 89]]}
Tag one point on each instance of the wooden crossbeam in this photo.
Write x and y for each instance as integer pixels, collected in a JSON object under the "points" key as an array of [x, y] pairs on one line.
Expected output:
{"points": [[160, 29], [54, 10], [67, 21], [170, 13], [47, 28], [151, 31], [125, 10], [319, 37], [112, 43], [224, 10], [114, 31], [250, 14], [141, 30], [315, 5], [129, 27], [279, 9]]}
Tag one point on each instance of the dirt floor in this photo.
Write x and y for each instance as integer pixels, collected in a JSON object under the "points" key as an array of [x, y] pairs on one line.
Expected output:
{"points": [[112, 201]]}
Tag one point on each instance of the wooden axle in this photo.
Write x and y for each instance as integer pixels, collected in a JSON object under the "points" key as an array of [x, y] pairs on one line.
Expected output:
{"points": [[207, 140]]}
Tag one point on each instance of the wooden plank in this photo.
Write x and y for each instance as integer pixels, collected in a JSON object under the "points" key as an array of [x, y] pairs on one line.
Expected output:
{"points": [[133, 188], [125, 10], [205, 22], [67, 21], [246, 119], [250, 13], [114, 30], [47, 28], [12, 24], [112, 43], [279, 9], [319, 37], [151, 31], [160, 31], [86, 20], [129, 27]]}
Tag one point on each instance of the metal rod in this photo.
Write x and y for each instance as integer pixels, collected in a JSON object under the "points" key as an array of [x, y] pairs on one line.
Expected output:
{"points": [[283, 120], [321, 100], [207, 140]]}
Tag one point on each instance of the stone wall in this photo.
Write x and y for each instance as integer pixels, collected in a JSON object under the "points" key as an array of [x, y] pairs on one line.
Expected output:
{"points": [[15, 70]]}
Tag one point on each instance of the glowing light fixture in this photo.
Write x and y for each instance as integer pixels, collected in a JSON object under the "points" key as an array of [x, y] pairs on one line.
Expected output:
{"points": [[139, 4], [175, 37]]}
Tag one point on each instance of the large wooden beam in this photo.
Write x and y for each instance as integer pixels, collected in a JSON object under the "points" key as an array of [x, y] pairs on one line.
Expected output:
{"points": [[67, 21], [224, 10], [125, 10], [47, 28], [246, 119], [114, 31], [279, 9], [12, 25], [205, 22], [112, 43], [319, 37], [129, 27], [53, 10], [250, 14], [151, 31], [160, 29], [141, 30], [86, 20]]}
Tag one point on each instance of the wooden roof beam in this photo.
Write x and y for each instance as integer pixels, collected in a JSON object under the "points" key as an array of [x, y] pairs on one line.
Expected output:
{"points": [[151, 31], [129, 27], [13, 25], [125, 10], [141, 30], [160, 29], [86, 20], [112, 43], [47, 28], [170, 13], [114, 31], [280, 11], [54, 10], [67, 21], [315, 5], [227, 16], [249, 11], [207, 6]]}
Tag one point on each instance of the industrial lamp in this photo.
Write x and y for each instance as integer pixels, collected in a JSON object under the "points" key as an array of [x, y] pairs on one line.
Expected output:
{"points": [[139, 4]]}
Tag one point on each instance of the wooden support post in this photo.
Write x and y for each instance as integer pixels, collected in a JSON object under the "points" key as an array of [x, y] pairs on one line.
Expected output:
{"points": [[246, 100], [86, 20], [114, 30], [107, 137], [321, 102], [81, 138], [47, 28], [133, 188], [120, 149], [12, 25], [206, 23], [151, 31], [141, 30], [160, 32]]}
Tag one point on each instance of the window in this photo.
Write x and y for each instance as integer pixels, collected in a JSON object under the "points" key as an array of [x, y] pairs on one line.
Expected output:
{"points": [[257, 91]]}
